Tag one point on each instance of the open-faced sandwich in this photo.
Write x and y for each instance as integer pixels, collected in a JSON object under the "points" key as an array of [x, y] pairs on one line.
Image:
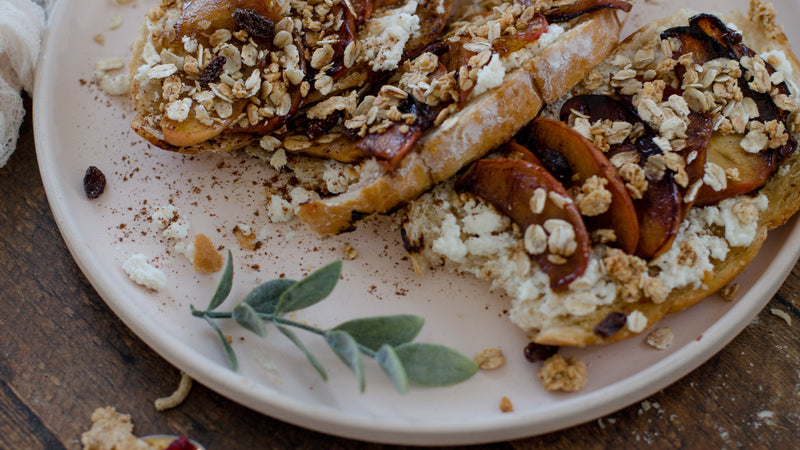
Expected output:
{"points": [[645, 189], [371, 102]]}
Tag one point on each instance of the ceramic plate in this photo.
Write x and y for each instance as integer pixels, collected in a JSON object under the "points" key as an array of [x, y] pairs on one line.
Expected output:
{"points": [[78, 125]]}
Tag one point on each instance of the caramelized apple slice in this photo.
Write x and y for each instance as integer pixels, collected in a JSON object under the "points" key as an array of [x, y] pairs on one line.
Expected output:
{"points": [[192, 132], [660, 214], [509, 185], [586, 161], [509, 44], [219, 14], [753, 168], [512, 150], [599, 107], [562, 13]]}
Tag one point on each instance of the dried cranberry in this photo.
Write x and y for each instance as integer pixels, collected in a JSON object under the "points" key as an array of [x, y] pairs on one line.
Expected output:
{"points": [[537, 352], [254, 23], [212, 71], [94, 182], [609, 326], [182, 443]]}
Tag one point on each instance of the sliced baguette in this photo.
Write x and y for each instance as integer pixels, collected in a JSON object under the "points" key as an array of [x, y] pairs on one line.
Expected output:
{"points": [[464, 234], [487, 121]]}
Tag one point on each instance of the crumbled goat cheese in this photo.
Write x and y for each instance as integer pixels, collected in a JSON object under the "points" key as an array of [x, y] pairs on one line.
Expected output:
{"points": [[141, 272], [386, 37], [490, 76], [279, 210]]}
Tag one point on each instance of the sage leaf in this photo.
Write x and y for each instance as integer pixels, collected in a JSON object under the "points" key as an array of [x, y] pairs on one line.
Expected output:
{"points": [[224, 286], [247, 317], [311, 359], [264, 298], [225, 345], [435, 365], [346, 348], [374, 332], [311, 289], [393, 368]]}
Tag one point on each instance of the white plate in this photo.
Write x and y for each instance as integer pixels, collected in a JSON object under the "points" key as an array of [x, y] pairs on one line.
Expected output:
{"points": [[77, 125]]}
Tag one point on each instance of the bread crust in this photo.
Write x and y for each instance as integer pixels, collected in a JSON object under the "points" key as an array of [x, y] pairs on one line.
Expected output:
{"points": [[487, 122]]}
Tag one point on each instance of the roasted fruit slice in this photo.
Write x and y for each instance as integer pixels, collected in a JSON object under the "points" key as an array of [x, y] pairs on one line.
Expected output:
{"points": [[564, 12], [555, 235], [585, 162], [192, 132], [201, 15]]}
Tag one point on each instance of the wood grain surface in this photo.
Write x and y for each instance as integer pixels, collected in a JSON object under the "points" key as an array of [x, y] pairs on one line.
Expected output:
{"points": [[64, 353]]}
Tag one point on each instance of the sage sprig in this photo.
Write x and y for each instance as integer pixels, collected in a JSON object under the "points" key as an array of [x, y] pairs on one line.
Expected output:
{"points": [[386, 339]]}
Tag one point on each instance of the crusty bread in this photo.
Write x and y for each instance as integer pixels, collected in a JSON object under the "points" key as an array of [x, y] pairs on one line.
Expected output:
{"points": [[161, 32], [463, 233], [487, 121]]}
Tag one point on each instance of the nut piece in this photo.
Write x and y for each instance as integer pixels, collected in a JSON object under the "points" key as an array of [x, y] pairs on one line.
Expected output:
{"points": [[660, 338], [490, 358], [565, 374], [505, 405]]}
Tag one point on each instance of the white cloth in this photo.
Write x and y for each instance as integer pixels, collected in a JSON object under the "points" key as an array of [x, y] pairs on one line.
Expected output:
{"points": [[22, 23]]}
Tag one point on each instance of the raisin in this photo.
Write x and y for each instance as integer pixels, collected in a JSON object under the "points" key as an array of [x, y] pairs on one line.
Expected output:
{"points": [[537, 352], [609, 326], [318, 127], [212, 71], [254, 23], [94, 182]]}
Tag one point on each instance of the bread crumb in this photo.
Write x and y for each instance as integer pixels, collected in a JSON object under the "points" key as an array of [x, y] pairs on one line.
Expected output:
{"points": [[490, 358], [350, 252], [244, 234], [99, 38], [206, 258], [505, 405], [660, 338], [177, 397], [565, 374], [763, 13], [782, 314], [112, 430], [729, 291], [141, 272]]}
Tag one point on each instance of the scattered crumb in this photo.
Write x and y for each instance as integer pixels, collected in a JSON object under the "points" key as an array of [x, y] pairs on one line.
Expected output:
{"points": [[244, 234], [99, 38], [350, 252], [142, 272], [111, 430], [206, 258], [505, 405], [559, 373], [116, 22], [177, 397], [782, 314], [490, 358], [660, 338], [729, 291], [169, 219]]}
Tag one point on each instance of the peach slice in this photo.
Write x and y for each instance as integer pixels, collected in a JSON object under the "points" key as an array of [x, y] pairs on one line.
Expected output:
{"points": [[509, 185], [192, 132], [585, 161]]}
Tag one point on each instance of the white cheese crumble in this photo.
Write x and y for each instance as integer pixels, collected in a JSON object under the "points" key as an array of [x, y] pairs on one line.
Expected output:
{"points": [[384, 38], [142, 272], [279, 210], [782, 64], [174, 225], [490, 76]]}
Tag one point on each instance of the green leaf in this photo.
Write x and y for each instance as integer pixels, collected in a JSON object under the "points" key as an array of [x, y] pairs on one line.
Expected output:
{"points": [[311, 289], [225, 344], [435, 365], [265, 296], [311, 359], [393, 368], [374, 332], [346, 348], [246, 316], [224, 286]]}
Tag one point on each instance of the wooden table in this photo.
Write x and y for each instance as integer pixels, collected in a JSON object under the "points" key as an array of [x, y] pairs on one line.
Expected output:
{"points": [[64, 353]]}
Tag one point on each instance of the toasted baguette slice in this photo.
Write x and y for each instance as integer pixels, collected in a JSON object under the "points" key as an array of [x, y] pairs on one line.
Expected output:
{"points": [[279, 56], [540, 73], [714, 244]]}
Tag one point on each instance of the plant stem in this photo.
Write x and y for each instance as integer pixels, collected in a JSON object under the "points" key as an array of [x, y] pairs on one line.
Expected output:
{"points": [[280, 320]]}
